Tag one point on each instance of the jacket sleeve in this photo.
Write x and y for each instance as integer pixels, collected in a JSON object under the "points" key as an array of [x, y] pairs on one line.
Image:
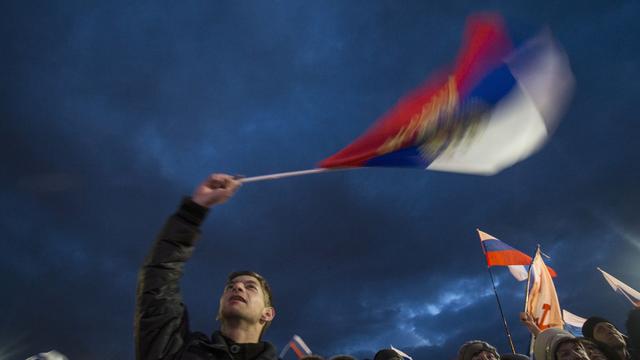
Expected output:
{"points": [[161, 324]]}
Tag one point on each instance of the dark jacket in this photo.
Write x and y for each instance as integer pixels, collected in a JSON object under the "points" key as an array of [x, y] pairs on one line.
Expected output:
{"points": [[633, 331], [161, 320]]}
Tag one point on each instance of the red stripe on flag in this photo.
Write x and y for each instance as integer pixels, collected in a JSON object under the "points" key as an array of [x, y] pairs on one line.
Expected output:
{"points": [[507, 257], [295, 349], [511, 257]]}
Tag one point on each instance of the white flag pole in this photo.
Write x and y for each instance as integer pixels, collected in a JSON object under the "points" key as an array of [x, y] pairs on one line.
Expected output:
{"points": [[281, 175], [290, 174]]}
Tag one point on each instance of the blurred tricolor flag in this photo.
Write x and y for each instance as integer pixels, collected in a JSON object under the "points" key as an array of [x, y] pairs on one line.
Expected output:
{"points": [[298, 346], [495, 107]]}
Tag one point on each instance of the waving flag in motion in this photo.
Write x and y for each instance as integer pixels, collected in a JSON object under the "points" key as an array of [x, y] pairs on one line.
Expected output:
{"points": [[298, 346], [499, 253], [618, 286], [496, 108]]}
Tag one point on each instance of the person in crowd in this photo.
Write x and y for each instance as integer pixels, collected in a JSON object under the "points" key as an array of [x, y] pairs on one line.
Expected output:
{"points": [[161, 322], [312, 357], [558, 344], [387, 354], [527, 320], [514, 357], [633, 331], [597, 351], [477, 350], [603, 331]]}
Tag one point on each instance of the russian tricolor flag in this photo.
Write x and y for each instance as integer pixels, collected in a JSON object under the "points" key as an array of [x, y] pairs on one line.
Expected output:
{"points": [[298, 346], [498, 253]]}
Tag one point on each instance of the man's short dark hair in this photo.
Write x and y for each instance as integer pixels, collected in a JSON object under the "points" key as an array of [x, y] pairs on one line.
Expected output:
{"points": [[266, 289]]}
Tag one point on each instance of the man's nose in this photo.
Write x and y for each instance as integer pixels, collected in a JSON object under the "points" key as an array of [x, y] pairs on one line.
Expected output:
{"points": [[238, 286]]}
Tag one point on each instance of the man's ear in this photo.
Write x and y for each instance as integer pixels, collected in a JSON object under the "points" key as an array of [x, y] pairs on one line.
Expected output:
{"points": [[268, 314]]}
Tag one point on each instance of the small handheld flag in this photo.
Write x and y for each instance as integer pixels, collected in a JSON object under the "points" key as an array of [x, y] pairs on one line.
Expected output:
{"points": [[298, 346], [499, 253], [621, 288]]}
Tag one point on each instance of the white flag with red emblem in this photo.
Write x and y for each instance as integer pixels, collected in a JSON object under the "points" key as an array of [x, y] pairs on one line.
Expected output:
{"points": [[542, 300]]}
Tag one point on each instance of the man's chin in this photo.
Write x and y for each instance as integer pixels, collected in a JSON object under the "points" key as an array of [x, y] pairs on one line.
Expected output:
{"points": [[233, 314]]}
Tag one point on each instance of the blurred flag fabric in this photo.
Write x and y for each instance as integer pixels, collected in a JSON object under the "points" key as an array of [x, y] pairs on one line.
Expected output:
{"points": [[495, 108], [51, 355], [542, 300], [573, 323], [298, 346], [401, 353], [618, 286], [499, 253]]}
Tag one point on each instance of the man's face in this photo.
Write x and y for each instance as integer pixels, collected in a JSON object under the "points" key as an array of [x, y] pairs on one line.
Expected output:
{"points": [[607, 333], [244, 299], [484, 355], [571, 350]]}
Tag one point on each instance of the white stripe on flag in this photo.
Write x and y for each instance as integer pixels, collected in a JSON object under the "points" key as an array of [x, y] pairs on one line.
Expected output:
{"points": [[519, 272], [522, 121], [302, 344], [572, 319]]}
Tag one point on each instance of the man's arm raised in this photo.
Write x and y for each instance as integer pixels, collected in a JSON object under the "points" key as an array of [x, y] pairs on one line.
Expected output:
{"points": [[161, 323]]}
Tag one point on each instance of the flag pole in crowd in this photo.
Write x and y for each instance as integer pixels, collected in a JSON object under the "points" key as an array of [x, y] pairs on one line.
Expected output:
{"points": [[498, 253], [526, 299], [526, 290], [504, 321]]}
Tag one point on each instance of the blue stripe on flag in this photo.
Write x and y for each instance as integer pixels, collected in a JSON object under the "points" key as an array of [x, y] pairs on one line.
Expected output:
{"points": [[576, 331], [495, 245], [493, 87], [407, 157]]}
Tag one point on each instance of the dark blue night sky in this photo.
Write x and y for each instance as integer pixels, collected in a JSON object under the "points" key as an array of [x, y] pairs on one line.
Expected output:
{"points": [[111, 111]]}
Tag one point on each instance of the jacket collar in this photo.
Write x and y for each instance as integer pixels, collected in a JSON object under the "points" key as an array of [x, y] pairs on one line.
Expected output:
{"points": [[219, 342]]}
